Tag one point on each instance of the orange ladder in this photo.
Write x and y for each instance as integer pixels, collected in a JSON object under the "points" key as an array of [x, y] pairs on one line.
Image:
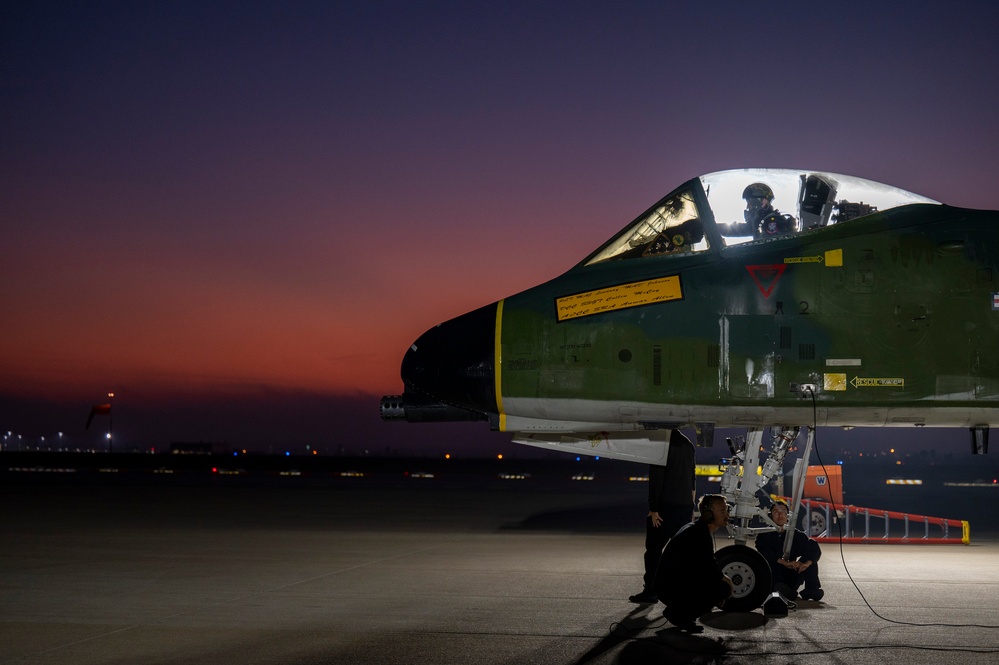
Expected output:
{"points": [[820, 517]]}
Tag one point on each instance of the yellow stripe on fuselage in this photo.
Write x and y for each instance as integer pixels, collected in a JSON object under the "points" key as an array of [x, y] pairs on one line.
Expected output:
{"points": [[498, 366]]}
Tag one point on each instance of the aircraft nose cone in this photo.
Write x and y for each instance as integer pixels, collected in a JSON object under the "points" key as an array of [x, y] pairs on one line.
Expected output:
{"points": [[454, 361]]}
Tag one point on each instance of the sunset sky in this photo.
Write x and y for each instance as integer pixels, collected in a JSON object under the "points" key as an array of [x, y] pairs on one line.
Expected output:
{"points": [[238, 215]]}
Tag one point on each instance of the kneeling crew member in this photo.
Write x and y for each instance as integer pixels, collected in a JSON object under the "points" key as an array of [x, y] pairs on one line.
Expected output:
{"points": [[802, 564], [689, 580]]}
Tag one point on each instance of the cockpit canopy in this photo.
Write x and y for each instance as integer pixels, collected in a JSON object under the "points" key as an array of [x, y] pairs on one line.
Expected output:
{"points": [[801, 201]]}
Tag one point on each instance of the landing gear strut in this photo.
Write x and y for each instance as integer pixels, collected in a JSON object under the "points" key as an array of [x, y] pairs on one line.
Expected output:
{"points": [[742, 487]]}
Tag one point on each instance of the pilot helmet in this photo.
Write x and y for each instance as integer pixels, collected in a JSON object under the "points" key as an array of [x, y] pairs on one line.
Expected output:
{"points": [[758, 190]]}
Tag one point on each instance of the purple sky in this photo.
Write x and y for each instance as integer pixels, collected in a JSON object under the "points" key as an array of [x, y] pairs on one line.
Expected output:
{"points": [[238, 215]]}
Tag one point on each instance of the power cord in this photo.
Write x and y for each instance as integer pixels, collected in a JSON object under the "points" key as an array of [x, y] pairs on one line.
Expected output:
{"points": [[839, 529]]}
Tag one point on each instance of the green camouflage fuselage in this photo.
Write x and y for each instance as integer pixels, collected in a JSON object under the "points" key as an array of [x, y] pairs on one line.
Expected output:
{"points": [[901, 326]]}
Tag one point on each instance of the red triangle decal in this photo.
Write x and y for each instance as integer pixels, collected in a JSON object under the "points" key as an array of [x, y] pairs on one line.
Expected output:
{"points": [[766, 277]]}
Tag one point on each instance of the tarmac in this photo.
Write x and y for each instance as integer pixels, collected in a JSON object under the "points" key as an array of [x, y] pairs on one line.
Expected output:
{"points": [[169, 572]]}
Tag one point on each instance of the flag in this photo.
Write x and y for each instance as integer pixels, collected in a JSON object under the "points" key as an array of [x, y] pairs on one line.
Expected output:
{"points": [[99, 410]]}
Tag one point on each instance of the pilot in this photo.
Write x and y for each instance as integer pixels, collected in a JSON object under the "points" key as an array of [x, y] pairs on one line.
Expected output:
{"points": [[762, 220], [802, 564]]}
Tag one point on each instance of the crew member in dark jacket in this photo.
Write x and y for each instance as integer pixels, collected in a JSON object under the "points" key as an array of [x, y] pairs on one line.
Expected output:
{"points": [[671, 503], [802, 564], [689, 580]]}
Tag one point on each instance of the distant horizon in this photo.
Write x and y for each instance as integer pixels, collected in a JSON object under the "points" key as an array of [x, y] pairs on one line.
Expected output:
{"points": [[271, 422]]}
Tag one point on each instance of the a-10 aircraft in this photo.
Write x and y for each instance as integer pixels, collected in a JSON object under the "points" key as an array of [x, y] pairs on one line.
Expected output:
{"points": [[766, 299]]}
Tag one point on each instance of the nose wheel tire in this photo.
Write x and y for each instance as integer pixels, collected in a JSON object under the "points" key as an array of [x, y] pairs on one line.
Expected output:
{"points": [[750, 575]]}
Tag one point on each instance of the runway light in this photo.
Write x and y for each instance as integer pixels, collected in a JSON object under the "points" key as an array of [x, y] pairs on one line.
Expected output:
{"points": [[447, 455], [499, 456]]}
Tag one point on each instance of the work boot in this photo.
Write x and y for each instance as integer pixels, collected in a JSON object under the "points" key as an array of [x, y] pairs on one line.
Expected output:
{"points": [[646, 597], [683, 623]]}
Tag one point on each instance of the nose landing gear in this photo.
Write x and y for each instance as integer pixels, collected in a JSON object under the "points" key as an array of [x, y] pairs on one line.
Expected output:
{"points": [[742, 487]]}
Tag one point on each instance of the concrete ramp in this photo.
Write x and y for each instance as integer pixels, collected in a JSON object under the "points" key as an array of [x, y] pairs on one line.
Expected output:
{"points": [[428, 574]]}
